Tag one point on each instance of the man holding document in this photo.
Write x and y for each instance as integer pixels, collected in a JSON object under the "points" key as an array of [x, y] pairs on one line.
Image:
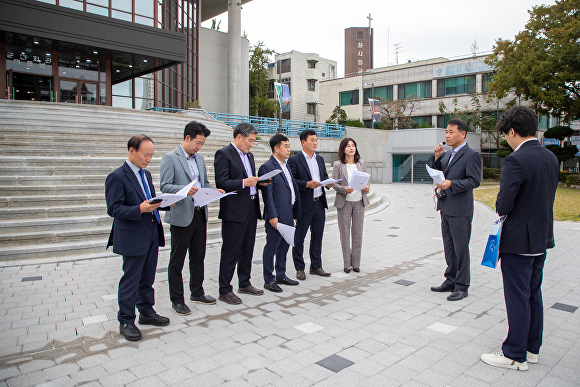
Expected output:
{"points": [[462, 170], [281, 208], [179, 169], [350, 201]]}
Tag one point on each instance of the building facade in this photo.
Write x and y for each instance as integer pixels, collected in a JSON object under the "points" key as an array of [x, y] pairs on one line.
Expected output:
{"points": [[302, 72], [358, 50]]}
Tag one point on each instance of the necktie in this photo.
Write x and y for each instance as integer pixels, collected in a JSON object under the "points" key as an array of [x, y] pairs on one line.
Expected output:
{"points": [[148, 194], [452, 155]]}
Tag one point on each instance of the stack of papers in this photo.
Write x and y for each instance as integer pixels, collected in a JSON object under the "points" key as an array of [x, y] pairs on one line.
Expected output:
{"points": [[202, 197], [359, 180], [436, 174]]}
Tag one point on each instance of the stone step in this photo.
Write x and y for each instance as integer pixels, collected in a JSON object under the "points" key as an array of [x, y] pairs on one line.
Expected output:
{"points": [[51, 200], [52, 212]]}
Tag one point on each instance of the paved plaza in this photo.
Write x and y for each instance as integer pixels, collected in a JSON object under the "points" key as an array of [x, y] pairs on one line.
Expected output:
{"points": [[380, 327]]}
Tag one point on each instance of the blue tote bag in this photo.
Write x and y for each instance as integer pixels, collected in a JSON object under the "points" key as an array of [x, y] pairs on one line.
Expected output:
{"points": [[491, 253]]}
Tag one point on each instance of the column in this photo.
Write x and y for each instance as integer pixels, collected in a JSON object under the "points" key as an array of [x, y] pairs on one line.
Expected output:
{"points": [[234, 56]]}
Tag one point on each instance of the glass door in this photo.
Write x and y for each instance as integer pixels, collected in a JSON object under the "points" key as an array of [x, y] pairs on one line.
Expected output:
{"points": [[82, 92]]}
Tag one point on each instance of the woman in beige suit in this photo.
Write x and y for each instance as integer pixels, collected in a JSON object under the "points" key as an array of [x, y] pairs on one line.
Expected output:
{"points": [[350, 204]]}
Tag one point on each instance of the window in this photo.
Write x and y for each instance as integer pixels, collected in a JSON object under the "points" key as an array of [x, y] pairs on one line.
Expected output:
{"points": [[485, 79], [543, 122], [285, 66], [348, 98], [417, 89], [382, 92], [311, 84], [359, 35], [311, 64], [422, 121], [310, 108], [453, 86]]}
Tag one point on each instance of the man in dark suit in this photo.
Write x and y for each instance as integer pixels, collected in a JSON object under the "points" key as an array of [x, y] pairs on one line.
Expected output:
{"points": [[281, 206], [309, 170], [462, 170], [188, 223], [235, 171], [136, 234], [529, 178]]}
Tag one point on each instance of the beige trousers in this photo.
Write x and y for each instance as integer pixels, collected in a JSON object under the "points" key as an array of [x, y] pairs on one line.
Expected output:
{"points": [[350, 227]]}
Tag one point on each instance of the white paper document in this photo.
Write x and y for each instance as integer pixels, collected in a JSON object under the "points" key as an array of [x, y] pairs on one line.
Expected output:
{"points": [[204, 196], [359, 180], [168, 199], [436, 174], [329, 181], [269, 175], [287, 233]]}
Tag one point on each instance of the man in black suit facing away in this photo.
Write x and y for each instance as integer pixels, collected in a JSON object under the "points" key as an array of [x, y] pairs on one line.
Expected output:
{"points": [[136, 234], [462, 170], [235, 171], [529, 178], [309, 170]]}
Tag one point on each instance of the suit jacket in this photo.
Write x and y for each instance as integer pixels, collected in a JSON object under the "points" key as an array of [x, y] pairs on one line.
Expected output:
{"points": [[529, 178], [132, 231], [278, 197], [301, 173], [339, 171], [176, 174], [464, 172], [229, 176]]}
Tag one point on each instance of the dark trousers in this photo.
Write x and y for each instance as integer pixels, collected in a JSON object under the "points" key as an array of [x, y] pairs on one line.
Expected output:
{"points": [[238, 240], [313, 220], [136, 284], [456, 232], [275, 246], [522, 281], [187, 239]]}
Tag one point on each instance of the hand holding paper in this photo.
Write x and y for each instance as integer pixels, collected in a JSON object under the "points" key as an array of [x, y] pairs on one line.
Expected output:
{"points": [[435, 174], [359, 180], [329, 181]]}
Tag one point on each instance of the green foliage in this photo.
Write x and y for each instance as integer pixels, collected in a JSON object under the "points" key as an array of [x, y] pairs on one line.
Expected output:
{"points": [[195, 104], [542, 63], [502, 153], [260, 105], [559, 132], [563, 175], [215, 25], [573, 179], [491, 173], [357, 123], [563, 153], [338, 116]]}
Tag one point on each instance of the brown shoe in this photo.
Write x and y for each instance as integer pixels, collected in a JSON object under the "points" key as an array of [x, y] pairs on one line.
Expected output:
{"points": [[301, 275], [230, 298], [251, 290], [319, 272]]}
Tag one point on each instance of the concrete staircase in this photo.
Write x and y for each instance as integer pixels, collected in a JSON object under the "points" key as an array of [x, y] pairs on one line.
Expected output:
{"points": [[53, 162]]}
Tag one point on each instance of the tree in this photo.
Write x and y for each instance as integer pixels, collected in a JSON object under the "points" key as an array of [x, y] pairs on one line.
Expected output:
{"points": [[559, 132], [542, 64], [260, 105], [215, 25], [563, 153], [397, 114], [338, 116]]}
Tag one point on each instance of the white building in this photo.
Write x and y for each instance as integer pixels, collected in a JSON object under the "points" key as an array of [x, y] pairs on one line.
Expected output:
{"points": [[302, 73]]}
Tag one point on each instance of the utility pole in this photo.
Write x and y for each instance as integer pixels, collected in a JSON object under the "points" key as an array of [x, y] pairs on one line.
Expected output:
{"points": [[371, 40]]}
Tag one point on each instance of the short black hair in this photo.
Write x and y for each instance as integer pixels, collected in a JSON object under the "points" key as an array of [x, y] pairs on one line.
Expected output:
{"points": [[523, 120], [276, 140], [305, 133], [461, 125], [194, 128], [245, 129], [135, 141]]}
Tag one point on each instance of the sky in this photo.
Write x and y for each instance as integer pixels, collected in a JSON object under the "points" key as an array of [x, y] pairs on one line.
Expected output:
{"points": [[423, 29]]}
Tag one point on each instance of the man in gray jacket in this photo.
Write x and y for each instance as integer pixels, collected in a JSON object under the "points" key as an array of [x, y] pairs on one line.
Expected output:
{"points": [[188, 223]]}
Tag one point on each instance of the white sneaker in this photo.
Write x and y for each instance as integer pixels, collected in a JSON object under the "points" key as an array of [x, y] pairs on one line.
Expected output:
{"points": [[532, 358], [499, 360]]}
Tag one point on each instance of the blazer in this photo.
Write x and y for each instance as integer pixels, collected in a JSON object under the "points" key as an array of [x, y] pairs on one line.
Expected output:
{"points": [[339, 171], [278, 197], [175, 174], [301, 173], [131, 231], [464, 172], [529, 178], [229, 176]]}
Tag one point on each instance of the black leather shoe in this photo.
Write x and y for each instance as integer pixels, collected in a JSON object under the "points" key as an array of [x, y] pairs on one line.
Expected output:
{"points": [[181, 309], [319, 272], [356, 269], [203, 299], [130, 332], [443, 288], [301, 275], [347, 269], [154, 319], [287, 281], [457, 295], [273, 287]]}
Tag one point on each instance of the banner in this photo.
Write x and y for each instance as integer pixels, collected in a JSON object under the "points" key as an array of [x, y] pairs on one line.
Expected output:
{"points": [[283, 93], [375, 110]]}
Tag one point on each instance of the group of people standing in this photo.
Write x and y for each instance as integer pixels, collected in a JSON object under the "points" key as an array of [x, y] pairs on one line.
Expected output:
{"points": [[294, 197]]}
